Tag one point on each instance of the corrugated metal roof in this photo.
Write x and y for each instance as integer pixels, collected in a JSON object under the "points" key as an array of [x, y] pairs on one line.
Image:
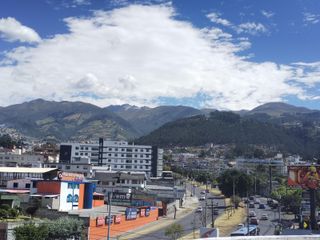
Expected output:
{"points": [[25, 170]]}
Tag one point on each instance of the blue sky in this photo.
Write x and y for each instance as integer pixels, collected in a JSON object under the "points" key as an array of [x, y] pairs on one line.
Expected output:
{"points": [[203, 53]]}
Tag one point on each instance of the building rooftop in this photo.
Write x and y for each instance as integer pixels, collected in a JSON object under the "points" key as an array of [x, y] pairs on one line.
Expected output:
{"points": [[25, 170]]}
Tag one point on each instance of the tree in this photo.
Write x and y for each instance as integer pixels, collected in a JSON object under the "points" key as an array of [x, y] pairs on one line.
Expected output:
{"points": [[241, 182], [64, 228], [31, 232], [289, 198], [174, 231]]}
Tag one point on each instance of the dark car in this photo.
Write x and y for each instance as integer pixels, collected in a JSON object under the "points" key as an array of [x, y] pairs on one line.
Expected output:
{"points": [[254, 221], [251, 198], [262, 206]]}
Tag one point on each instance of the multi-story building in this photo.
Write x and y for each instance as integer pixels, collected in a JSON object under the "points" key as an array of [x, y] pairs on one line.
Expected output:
{"points": [[251, 164], [117, 155], [13, 159]]}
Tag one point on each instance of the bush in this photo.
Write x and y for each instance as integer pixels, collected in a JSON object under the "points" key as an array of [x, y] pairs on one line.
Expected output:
{"points": [[13, 213], [3, 213], [5, 207]]}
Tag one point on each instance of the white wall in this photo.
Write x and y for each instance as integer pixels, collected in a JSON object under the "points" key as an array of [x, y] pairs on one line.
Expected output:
{"points": [[64, 192]]}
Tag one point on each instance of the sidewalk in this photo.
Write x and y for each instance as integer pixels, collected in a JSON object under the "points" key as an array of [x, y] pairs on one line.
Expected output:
{"points": [[163, 222]]}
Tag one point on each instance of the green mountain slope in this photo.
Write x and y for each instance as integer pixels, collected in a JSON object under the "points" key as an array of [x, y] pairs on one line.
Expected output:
{"points": [[65, 120], [227, 128]]}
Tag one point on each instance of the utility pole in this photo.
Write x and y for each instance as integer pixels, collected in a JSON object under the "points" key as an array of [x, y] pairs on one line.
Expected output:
{"points": [[212, 218], [270, 179], [109, 214], [248, 212], [205, 213]]}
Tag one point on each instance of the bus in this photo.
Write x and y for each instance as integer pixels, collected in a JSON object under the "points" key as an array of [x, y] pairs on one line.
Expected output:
{"points": [[244, 231]]}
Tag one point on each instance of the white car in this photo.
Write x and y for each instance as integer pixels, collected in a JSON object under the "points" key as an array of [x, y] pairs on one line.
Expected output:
{"points": [[252, 214], [202, 197], [264, 217], [199, 209]]}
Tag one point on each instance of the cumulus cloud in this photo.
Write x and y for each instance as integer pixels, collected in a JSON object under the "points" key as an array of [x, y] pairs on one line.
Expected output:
{"points": [[12, 30], [139, 54], [310, 18], [215, 17], [251, 28]]}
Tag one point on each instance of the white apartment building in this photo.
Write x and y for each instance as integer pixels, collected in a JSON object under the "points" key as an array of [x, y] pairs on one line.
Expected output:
{"points": [[116, 155], [13, 159]]}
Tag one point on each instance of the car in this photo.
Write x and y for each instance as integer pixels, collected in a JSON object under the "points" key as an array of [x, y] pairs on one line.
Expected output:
{"points": [[254, 221], [251, 205], [203, 192], [252, 214], [199, 209], [246, 200], [262, 206], [215, 212], [270, 201], [207, 190], [251, 198], [257, 201], [240, 225], [203, 197], [264, 217]]}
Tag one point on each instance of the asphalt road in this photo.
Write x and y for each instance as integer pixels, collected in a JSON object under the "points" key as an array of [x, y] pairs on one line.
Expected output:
{"points": [[267, 227], [193, 220]]}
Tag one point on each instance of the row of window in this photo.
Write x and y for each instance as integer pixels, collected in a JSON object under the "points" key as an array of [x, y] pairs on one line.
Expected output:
{"points": [[127, 161], [114, 149], [16, 185], [130, 167]]}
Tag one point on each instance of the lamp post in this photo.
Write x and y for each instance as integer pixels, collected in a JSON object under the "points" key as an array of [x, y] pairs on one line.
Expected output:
{"points": [[109, 214]]}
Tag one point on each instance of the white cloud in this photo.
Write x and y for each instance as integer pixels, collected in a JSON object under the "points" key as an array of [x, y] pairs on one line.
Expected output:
{"points": [[215, 18], [137, 54], [251, 28], [81, 2], [267, 14], [310, 18], [11, 30]]}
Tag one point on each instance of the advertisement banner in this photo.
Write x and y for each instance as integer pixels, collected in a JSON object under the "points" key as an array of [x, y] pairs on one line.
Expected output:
{"points": [[304, 176], [117, 219], [142, 212], [131, 213], [99, 221], [107, 220], [147, 213]]}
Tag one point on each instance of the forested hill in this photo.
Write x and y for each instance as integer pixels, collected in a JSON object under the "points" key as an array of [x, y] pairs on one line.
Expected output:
{"points": [[226, 128]]}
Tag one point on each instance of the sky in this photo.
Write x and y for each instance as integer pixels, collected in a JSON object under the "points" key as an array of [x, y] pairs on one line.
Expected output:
{"points": [[227, 55]]}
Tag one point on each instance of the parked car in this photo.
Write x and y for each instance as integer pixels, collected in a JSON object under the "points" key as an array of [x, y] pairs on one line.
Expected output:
{"points": [[199, 209], [262, 206], [251, 198], [254, 221], [252, 214], [251, 205], [264, 217], [215, 212], [207, 190], [257, 201], [270, 201], [203, 192]]}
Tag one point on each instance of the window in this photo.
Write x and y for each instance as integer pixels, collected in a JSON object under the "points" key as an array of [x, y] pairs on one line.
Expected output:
{"points": [[15, 185], [68, 167], [110, 149], [77, 148], [135, 161], [81, 148], [86, 154], [109, 154], [73, 186], [77, 166], [135, 155], [81, 154], [136, 150], [28, 185], [76, 153], [122, 149], [116, 155], [116, 149], [87, 148], [34, 184], [141, 155], [141, 161]]}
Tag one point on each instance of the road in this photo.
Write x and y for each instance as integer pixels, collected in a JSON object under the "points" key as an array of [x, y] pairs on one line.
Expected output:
{"points": [[192, 221], [267, 227]]}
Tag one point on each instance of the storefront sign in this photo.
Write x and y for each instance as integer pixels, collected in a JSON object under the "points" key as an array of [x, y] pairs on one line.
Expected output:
{"points": [[122, 199], [142, 212], [117, 219], [68, 176], [107, 220], [131, 213], [99, 221], [147, 212]]}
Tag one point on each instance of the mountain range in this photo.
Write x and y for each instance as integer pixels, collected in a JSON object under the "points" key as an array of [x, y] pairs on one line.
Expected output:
{"points": [[82, 121]]}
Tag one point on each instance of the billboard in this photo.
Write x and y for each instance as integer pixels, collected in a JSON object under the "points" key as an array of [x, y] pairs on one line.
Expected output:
{"points": [[304, 176], [131, 213]]}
